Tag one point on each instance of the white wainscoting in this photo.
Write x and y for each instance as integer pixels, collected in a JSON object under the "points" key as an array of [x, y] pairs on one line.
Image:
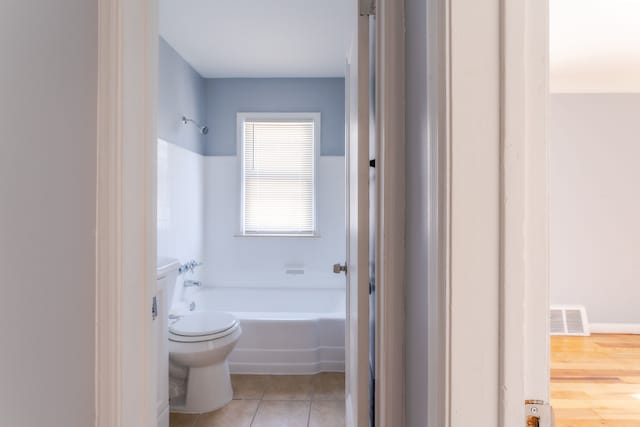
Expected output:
{"points": [[180, 203], [232, 260]]}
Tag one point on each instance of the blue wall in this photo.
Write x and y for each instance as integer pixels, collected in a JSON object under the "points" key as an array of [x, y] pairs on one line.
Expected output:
{"points": [[216, 102], [181, 92], [226, 97]]}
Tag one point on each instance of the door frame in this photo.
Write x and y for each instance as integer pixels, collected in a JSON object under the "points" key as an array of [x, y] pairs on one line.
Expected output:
{"points": [[125, 371], [525, 343], [438, 209], [496, 283], [390, 213], [126, 212], [494, 195]]}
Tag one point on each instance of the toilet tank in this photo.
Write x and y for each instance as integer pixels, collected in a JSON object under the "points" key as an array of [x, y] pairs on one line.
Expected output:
{"points": [[167, 273]]}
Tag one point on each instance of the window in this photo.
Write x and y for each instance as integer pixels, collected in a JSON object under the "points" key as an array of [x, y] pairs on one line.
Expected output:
{"points": [[278, 153]]}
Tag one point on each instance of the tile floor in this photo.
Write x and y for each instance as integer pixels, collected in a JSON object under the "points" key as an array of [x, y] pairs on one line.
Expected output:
{"points": [[277, 401]]}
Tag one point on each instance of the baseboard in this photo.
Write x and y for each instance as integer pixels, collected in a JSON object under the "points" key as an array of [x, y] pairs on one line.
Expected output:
{"points": [[615, 328], [286, 368]]}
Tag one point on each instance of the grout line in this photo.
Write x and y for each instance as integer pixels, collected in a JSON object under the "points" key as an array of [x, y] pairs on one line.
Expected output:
{"points": [[309, 415], [314, 384], [255, 413], [309, 402]]}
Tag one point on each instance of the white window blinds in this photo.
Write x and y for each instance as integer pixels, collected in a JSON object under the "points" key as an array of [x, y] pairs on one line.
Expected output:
{"points": [[278, 176]]}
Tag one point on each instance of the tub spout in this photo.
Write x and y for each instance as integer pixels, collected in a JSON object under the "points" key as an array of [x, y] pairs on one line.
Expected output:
{"points": [[192, 283]]}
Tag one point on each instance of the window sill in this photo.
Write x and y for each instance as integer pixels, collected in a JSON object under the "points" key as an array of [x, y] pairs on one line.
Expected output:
{"points": [[304, 236]]}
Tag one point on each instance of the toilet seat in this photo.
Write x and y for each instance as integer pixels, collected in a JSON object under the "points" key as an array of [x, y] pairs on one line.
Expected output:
{"points": [[202, 326]]}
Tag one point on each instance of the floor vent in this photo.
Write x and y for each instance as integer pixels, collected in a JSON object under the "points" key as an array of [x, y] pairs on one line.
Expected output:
{"points": [[569, 320]]}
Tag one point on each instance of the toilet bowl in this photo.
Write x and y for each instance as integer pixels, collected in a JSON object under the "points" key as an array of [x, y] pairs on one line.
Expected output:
{"points": [[200, 343]]}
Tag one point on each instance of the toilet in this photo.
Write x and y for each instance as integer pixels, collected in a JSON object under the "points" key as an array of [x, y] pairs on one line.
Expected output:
{"points": [[199, 344]]}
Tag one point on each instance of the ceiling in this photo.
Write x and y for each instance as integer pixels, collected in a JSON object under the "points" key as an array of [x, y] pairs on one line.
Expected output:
{"points": [[260, 38], [594, 45]]}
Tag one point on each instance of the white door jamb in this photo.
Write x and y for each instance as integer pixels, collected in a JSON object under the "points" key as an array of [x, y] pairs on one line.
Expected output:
{"points": [[524, 323], [390, 215], [473, 134], [438, 207], [498, 243], [125, 384]]}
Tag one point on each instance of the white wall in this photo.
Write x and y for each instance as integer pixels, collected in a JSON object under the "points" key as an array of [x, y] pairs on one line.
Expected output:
{"points": [[180, 204], [262, 261], [595, 204], [48, 87], [198, 218], [594, 46]]}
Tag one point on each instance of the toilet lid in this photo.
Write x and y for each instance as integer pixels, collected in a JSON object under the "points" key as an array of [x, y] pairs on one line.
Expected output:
{"points": [[203, 323]]}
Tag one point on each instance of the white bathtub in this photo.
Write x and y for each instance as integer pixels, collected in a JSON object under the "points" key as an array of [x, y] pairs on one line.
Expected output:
{"points": [[284, 330]]}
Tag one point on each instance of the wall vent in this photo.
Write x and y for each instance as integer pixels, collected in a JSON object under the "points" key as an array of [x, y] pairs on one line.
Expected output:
{"points": [[569, 320]]}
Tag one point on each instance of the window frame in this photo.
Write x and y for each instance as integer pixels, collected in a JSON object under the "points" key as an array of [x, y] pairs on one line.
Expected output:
{"points": [[241, 117]]}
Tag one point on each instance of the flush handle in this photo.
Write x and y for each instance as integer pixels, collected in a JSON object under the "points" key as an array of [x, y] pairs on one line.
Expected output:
{"points": [[339, 268], [154, 308]]}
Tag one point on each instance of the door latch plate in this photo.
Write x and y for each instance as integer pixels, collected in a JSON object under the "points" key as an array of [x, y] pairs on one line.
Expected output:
{"points": [[538, 414]]}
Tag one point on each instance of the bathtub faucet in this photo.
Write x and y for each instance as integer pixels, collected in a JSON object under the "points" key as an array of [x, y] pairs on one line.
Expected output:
{"points": [[192, 283]]}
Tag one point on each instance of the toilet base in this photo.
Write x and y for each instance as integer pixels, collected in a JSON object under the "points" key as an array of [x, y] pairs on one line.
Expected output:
{"points": [[200, 396]]}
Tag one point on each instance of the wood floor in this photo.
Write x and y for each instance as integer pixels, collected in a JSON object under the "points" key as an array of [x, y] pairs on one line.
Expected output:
{"points": [[595, 381]]}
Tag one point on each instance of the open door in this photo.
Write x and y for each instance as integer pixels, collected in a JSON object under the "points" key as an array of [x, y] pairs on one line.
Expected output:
{"points": [[357, 221]]}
